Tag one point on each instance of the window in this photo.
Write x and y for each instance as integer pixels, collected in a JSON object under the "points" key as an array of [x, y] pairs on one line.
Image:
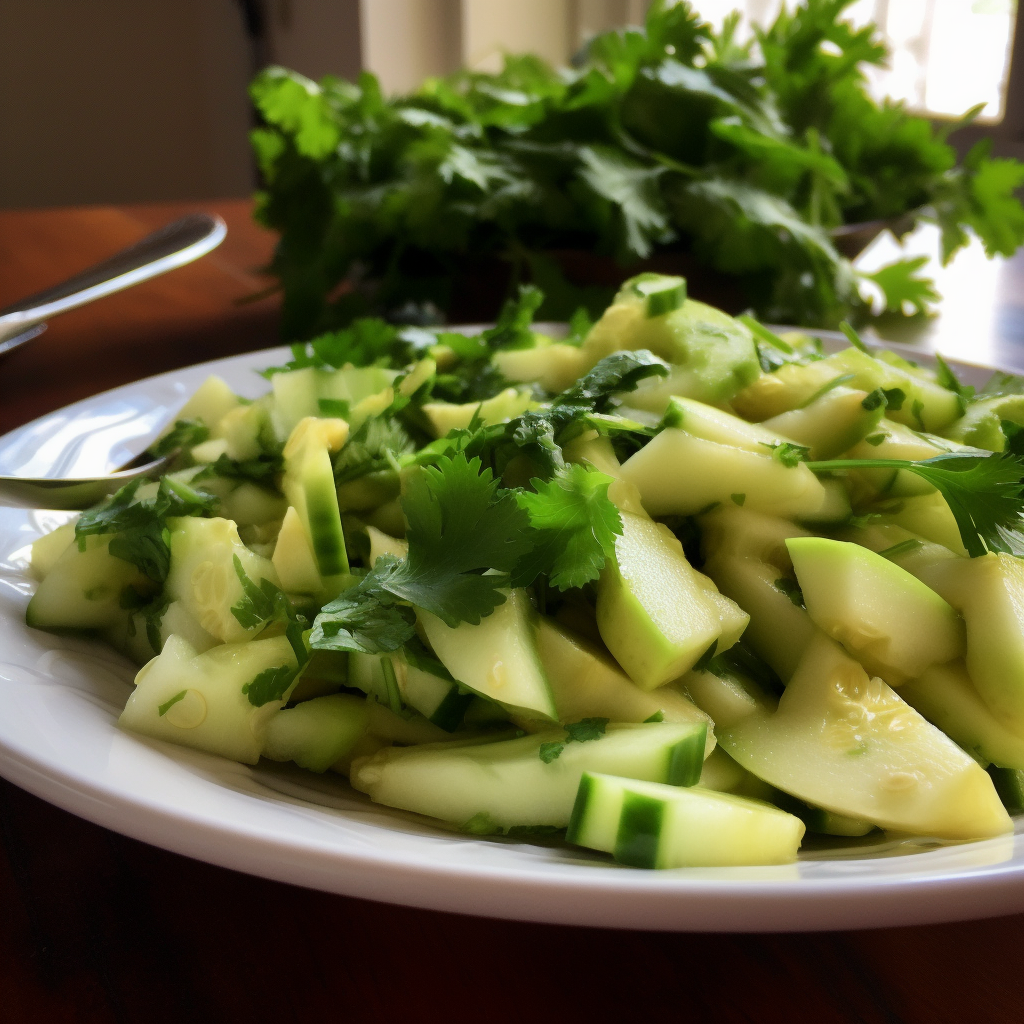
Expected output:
{"points": [[946, 55]]}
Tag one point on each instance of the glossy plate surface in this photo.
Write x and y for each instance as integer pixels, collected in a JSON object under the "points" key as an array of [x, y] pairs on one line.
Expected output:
{"points": [[61, 697]]}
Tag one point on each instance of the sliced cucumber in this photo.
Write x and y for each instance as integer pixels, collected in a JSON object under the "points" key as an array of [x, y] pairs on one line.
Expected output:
{"points": [[294, 559], [203, 576], [715, 473], [946, 696], [656, 613], [318, 732], [210, 402], [445, 417], [588, 684], [308, 484], [83, 588], [647, 825], [780, 627], [831, 424], [989, 591], [48, 548], [508, 784], [893, 624], [199, 700], [849, 744], [497, 658]]}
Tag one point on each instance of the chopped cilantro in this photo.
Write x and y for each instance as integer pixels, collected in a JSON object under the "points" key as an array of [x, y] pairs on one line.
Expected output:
{"points": [[167, 705], [365, 618], [791, 589], [583, 731], [270, 684], [139, 527], [658, 716], [549, 751], [183, 435], [738, 499], [945, 376], [621, 371], [266, 603], [335, 407], [788, 453], [579, 326], [889, 398], [902, 548], [260, 470], [876, 439], [586, 729], [459, 527]]}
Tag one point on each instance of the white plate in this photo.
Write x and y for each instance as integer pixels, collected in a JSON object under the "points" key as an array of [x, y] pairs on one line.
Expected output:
{"points": [[61, 696]]}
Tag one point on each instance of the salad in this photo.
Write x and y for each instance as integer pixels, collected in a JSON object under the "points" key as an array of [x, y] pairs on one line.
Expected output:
{"points": [[674, 587]]}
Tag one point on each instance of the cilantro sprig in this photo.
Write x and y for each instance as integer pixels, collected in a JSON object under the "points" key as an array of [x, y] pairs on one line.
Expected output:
{"points": [[266, 603], [573, 528], [139, 526], [985, 492], [465, 537]]}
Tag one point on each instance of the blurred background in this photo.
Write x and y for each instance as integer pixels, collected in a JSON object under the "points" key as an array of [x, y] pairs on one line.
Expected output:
{"points": [[115, 101]]}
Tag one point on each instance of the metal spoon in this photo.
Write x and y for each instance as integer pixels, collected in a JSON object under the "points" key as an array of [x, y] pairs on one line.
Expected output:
{"points": [[73, 493], [172, 246]]}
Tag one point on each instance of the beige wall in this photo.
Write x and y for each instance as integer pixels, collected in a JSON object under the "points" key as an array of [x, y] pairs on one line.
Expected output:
{"points": [[136, 100], [122, 100], [405, 41]]}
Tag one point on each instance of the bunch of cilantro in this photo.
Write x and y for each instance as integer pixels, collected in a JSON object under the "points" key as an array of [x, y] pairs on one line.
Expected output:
{"points": [[669, 137]]}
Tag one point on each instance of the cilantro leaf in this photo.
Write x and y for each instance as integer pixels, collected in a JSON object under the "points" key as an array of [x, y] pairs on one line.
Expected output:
{"points": [[268, 603], [183, 435], [512, 329], [984, 492], [365, 618], [260, 470], [459, 528], [586, 729], [904, 291], [616, 373], [270, 684], [583, 731], [945, 376], [890, 398], [788, 453], [168, 704], [574, 526], [141, 535], [548, 752]]}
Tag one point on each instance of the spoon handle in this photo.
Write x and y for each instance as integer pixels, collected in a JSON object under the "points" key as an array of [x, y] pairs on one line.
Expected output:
{"points": [[172, 246], [78, 494]]}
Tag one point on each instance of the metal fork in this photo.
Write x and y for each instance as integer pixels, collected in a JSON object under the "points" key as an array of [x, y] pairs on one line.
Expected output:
{"points": [[172, 246]]}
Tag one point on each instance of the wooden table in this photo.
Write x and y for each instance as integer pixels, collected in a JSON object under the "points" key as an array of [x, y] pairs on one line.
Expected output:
{"points": [[95, 927]]}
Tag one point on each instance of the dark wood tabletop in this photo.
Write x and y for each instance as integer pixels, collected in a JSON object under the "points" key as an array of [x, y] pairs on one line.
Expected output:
{"points": [[98, 928]]}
